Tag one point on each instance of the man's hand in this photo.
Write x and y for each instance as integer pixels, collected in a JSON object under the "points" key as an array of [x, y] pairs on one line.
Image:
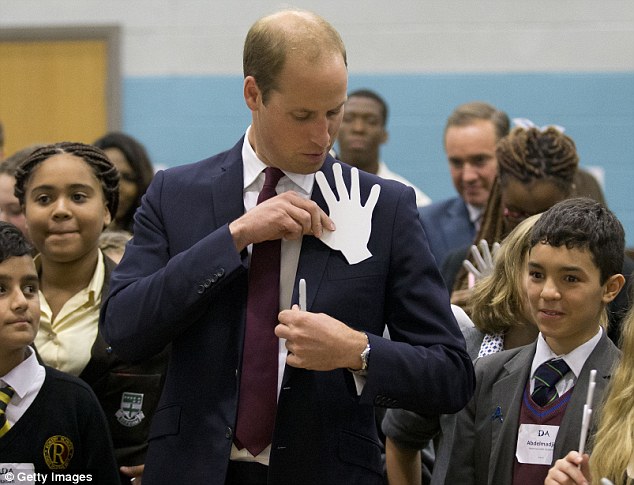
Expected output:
{"points": [[285, 216], [316, 341], [134, 472], [354, 221], [567, 470]]}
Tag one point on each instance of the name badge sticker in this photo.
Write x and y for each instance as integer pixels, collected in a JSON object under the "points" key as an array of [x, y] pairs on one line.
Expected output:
{"points": [[17, 473], [536, 443]]}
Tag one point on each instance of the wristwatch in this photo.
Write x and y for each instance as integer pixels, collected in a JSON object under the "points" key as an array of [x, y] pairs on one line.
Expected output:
{"points": [[365, 358]]}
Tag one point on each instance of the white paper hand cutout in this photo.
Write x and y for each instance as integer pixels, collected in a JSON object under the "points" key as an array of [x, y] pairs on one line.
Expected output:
{"points": [[352, 220], [484, 259]]}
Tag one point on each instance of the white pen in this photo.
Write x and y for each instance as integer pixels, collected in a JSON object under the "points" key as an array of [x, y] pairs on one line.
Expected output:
{"points": [[302, 294], [587, 411], [606, 481], [591, 386]]}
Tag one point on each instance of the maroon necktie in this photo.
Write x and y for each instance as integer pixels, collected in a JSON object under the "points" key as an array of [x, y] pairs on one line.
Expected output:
{"points": [[258, 382]]}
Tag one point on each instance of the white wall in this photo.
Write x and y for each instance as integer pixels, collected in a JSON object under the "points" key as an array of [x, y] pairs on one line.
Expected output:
{"points": [[185, 37]]}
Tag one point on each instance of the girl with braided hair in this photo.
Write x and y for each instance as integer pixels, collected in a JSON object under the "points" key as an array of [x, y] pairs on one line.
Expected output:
{"points": [[69, 193], [536, 168]]}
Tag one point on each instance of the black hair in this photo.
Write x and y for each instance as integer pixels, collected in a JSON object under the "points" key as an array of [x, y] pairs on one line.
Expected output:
{"points": [[12, 242], [136, 155], [583, 223], [10, 164], [531, 154], [102, 167], [367, 93]]}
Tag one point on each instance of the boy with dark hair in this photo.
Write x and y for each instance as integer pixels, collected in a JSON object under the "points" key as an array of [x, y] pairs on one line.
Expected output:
{"points": [[527, 408], [50, 422]]}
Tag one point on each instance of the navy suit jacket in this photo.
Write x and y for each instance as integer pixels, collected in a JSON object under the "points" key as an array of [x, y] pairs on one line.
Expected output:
{"points": [[447, 226], [182, 281]]}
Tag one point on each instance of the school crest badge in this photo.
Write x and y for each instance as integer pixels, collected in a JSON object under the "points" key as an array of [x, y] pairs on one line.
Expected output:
{"points": [[58, 451], [131, 411]]}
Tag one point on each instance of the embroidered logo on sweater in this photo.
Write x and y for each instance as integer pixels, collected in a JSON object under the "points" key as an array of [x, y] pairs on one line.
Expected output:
{"points": [[58, 451], [131, 411]]}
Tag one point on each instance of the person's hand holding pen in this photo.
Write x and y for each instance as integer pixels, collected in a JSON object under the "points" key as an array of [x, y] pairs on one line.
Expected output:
{"points": [[316, 341], [574, 469]]}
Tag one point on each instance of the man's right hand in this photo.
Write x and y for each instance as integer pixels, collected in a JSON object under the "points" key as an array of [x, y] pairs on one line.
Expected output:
{"points": [[285, 216]]}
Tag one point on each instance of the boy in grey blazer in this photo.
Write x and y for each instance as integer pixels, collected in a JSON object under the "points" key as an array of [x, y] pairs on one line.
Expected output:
{"points": [[506, 434]]}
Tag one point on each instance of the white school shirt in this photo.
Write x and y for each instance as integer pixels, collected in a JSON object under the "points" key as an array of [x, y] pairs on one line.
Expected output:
{"points": [[26, 379], [575, 360]]}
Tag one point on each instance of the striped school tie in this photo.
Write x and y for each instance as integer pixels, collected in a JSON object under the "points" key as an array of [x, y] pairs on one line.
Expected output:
{"points": [[6, 393], [547, 376]]}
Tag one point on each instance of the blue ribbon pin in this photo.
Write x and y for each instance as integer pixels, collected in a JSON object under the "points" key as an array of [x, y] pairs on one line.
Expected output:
{"points": [[497, 415]]}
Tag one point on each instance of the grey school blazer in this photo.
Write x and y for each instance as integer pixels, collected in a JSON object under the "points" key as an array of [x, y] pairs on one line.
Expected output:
{"points": [[484, 447]]}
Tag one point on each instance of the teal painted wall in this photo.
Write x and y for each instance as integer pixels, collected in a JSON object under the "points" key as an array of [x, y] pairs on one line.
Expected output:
{"points": [[184, 119]]}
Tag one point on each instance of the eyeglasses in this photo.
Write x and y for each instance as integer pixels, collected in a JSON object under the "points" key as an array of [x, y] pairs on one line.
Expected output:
{"points": [[515, 216]]}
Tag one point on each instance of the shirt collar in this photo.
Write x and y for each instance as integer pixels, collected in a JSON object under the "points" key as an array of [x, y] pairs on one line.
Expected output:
{"points": [[575, 359], [474, 213], [93, 290], [253, 167], [21, 377]]}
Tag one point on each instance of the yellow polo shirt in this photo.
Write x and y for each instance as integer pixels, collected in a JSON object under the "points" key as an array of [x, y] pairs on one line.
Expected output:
{"points": [[65, 343]]}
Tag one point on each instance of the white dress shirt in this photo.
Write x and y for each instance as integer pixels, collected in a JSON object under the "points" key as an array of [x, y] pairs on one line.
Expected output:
{"points": [[253, 183], [422, 199], [26, 379], [575, 360]]}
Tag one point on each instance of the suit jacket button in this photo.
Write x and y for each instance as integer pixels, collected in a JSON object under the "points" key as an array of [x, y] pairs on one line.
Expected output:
{"points": [[208, 282], [214, 278], [221, 272], [200, 290], [228, 433]]}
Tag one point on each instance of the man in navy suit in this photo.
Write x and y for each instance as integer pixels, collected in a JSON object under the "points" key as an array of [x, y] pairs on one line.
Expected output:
{"points": [[471, 133], [183, 281]]}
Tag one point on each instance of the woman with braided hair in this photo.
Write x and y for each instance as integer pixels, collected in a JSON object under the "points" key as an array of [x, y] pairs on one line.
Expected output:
{"points": [[69, 193], [536, 167]]}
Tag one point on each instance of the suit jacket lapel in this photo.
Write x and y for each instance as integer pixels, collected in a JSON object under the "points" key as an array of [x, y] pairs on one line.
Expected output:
{"points": [[314, 253], [313, 256], [508, 392], [463, 229], [228, 202], [602, 359]]}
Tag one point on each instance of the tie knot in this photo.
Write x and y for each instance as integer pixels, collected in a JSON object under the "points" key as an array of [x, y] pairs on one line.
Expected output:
{"points": [[550, 373], [547, 376], [272, 176]]}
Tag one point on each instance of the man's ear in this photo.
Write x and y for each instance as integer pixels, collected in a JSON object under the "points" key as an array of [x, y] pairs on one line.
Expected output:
{"points": [[385, 136], [612, 287], [252, 93]]}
